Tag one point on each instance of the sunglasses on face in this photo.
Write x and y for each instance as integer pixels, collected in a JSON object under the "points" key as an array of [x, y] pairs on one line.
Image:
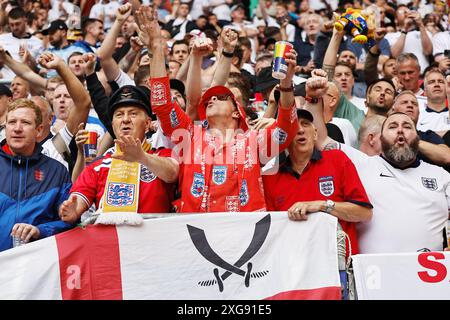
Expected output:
{"points": [[221, 97]]}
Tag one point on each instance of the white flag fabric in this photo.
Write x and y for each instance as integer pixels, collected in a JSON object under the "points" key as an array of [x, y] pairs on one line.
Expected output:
{"points": [[186, 257], [403, 276]]}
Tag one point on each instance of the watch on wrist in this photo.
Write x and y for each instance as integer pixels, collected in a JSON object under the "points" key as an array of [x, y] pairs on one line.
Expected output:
{"points": [[330, 206], [312, 100], [227, 54]]}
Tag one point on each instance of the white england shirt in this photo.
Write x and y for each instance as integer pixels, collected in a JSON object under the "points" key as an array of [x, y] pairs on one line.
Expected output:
{"points": [[410, 206], [434, 121]]}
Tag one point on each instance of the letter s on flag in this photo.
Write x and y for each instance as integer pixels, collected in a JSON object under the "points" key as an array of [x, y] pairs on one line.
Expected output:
{"points": [[439, 268]]}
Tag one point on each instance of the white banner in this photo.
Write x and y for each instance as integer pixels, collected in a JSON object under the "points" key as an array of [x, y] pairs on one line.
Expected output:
{"points": [[405, 276], [204, 256]]}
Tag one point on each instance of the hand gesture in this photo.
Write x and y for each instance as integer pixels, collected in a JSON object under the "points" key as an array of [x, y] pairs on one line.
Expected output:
{"points": [[309, 67], [444, 64], [398, 85], [131, 149], [147, 18], [25, 231], [23, 52], [317, 85], [229, 39], [80, 138], [202, 46], [50, 61], [90, 60], [291, 61], [415, 16], [136, 44], [261, 123], [379, 34], [3, 55], [68, 210], [123, 12]]}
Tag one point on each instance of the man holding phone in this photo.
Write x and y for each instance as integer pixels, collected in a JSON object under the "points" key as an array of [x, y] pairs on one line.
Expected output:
{"points": [[411, 36]]}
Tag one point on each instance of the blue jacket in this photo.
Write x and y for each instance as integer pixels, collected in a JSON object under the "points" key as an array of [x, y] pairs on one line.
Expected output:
{"points": [[31, 191]]}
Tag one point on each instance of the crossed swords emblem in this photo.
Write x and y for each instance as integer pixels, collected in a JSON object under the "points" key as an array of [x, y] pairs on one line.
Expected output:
{"points": [[198, 237]]}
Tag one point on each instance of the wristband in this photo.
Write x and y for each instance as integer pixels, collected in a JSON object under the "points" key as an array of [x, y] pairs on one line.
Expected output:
{"points": [[227, 54], [404, 32], [312, 100], [286, 89]]}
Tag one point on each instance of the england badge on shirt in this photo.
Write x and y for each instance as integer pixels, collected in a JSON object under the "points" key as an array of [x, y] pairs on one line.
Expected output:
{"points": [[326, 186], [279, 135], [219, 174], [430, 183], [147, 175], [198, 185], [120, 194]]}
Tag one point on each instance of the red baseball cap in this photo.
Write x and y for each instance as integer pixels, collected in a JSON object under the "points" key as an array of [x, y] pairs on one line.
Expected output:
{"points": [[220, 90]]}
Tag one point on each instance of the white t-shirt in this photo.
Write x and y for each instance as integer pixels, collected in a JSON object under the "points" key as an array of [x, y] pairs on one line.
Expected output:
{"points": [[108, 10], [124, 79], [348, 131], [54, 13], [49, 149], [434, 121], [410, 206], [441, 42], [359, 102], [12, 44], [220, 9], [413, 44]]}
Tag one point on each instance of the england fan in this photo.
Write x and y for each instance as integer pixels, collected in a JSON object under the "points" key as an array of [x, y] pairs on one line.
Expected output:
{"points": [[409, 196]]}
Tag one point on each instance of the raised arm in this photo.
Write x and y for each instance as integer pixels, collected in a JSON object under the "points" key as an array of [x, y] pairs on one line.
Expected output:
{"points": [[425, 40], [316, 88], [200, 48], [230, 41], [283, 131], [172, 117], [105, 52], [329, 61], [24, 71], [371, 63], [81, 98]]}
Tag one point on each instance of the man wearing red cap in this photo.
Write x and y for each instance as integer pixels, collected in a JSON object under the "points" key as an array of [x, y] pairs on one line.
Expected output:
{"points": [[220, 168]]}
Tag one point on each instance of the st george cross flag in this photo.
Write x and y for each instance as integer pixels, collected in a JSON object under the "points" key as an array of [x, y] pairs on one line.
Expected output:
{"points": [[199, 256]]}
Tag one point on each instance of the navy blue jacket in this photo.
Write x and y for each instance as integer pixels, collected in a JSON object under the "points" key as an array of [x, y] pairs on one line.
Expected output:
{"points": [[31, 191]]}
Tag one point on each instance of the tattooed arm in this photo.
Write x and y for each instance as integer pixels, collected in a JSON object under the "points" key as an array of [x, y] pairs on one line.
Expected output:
{"points": [[329, 61]]}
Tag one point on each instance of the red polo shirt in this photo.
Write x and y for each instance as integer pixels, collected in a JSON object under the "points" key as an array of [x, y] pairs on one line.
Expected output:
{"points": [[328, 175]]}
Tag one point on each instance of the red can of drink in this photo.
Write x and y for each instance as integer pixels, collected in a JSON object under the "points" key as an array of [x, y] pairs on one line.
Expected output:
{"points": [[90, 146]]}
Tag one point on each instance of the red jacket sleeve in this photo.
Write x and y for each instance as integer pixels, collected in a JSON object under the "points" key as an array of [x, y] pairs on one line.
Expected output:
{"points": [[277, 137], [170, 114]]}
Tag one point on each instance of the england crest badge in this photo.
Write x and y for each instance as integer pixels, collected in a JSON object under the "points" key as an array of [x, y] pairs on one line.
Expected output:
{"points": [[243, 193], [120, 194], [430, 183], [147, 175], [279, 135], [219, 174], [326, 186], [198, 185]]}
